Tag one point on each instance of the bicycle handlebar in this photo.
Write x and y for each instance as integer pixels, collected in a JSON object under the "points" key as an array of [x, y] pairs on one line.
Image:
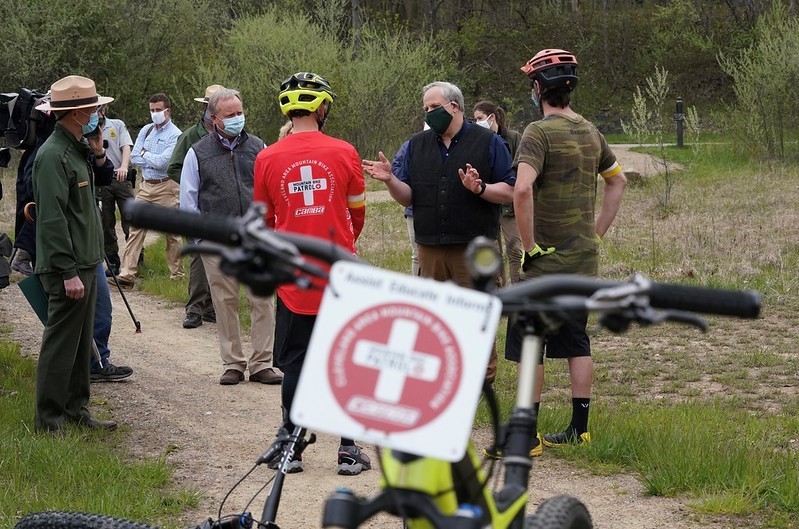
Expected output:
{"points": [[222, 230], [740, 303], [228, 231]]}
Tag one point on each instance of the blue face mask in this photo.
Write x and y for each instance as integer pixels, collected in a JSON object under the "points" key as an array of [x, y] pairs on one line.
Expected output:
{"points": [[233, 125], [94, 119]]}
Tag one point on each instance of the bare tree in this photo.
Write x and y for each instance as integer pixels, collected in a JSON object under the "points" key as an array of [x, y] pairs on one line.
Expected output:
{"points": [[357, 25]]}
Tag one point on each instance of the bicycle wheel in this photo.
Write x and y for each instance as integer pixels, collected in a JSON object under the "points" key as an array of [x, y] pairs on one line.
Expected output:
{"points": [[75, 520], [560, 512]]}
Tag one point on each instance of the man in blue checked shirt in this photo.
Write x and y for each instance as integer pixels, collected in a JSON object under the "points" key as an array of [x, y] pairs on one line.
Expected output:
{"points": [[151, 152]]}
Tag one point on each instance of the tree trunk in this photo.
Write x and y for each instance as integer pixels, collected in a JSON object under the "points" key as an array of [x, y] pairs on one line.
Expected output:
{"points": [[357, 26]]}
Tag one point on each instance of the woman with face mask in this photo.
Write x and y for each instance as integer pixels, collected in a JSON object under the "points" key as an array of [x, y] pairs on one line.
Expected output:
{"points": [[489, 115]]}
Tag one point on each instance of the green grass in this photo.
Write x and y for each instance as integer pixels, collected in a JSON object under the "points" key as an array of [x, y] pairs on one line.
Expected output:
{"points": [[704, 449], [79, 470]]}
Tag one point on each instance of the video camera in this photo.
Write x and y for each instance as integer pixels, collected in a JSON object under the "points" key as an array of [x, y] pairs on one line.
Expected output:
{"points": [[20, 121]]}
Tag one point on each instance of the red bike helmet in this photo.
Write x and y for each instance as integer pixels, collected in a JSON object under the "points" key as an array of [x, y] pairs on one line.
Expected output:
{"points": [[553, 68]]}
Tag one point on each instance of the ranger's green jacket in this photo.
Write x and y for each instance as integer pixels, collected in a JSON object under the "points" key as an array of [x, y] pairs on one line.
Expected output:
{"points": [[185, 141], [68, 231]]}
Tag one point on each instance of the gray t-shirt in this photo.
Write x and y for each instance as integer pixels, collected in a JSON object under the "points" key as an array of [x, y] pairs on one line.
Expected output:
{"points": [[117, 135]]}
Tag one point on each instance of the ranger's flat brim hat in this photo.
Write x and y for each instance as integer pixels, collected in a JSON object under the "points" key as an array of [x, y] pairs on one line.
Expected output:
{"points": [[73, 92], [211, 90]]}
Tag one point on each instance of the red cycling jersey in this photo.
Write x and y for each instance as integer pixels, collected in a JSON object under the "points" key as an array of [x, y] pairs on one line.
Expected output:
{"points": [[311, 184]]}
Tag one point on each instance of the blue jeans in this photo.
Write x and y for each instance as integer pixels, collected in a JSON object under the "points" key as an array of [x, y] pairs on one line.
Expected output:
{"points": [[102, 318]]}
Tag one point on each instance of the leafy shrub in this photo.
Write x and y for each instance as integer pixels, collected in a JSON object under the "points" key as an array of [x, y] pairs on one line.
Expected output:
{"points": [[766, 83]]}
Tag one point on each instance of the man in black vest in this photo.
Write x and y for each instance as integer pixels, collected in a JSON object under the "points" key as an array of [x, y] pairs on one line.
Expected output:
{"points": [[217, 178], [455, 175]]}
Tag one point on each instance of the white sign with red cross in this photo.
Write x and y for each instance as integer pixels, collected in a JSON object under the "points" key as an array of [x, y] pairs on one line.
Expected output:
{"points": [[397, 361]]}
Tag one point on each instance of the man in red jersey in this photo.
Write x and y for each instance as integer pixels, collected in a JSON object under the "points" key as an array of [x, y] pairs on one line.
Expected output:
{"points": [[312, 184]]}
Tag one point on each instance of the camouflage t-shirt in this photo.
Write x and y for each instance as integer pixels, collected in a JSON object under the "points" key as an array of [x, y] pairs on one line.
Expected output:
{"points": [[567, 153]]}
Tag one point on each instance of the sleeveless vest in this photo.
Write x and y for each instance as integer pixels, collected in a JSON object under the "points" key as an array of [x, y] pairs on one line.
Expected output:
{"points": [[444, 211], [226, 176]]}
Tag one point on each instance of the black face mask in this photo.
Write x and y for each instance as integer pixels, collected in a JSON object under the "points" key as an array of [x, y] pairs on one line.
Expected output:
{"points": [[438, 119]]}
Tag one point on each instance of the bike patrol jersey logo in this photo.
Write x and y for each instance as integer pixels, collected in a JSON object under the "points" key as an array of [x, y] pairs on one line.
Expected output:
{"points": [[307, 187]]}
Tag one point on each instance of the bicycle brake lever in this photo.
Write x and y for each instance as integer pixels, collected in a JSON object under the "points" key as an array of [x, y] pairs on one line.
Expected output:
{"points": [[270, 453], [688, 318], [200, 248]]}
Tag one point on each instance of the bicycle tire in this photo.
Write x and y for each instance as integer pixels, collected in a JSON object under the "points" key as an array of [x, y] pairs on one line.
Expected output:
{"points": [[75, 520], [560, 512]]}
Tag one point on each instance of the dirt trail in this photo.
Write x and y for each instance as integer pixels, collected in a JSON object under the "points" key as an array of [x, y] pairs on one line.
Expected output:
{"points": [[212, 434]]}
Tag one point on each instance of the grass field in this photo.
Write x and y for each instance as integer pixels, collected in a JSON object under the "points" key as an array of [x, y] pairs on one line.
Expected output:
{"points": [[709, 416]]}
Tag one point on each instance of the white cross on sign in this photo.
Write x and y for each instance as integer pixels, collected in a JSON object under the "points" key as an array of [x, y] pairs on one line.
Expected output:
{"points": [[396, 360], [307, 185]]}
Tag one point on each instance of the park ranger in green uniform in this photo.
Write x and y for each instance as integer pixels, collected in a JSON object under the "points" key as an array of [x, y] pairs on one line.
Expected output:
{"points": [[199, 306], [69, 245], [558, 160]]}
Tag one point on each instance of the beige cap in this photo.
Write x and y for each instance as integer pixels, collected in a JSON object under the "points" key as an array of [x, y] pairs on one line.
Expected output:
{"points": [[211, 90]]}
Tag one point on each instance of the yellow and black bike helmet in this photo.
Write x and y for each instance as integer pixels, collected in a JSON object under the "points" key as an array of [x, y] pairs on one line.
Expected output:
{"points": [[304, 91]]}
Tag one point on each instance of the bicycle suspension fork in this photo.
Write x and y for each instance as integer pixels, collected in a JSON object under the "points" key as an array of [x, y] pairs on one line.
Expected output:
{"points": [[523, 419]]}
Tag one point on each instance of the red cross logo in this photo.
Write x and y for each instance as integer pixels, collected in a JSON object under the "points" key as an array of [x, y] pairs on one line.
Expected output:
{"points": [[395, 367]]}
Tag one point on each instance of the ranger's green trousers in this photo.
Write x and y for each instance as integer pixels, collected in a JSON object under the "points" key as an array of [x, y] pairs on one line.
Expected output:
{"points": [[62, 374]]}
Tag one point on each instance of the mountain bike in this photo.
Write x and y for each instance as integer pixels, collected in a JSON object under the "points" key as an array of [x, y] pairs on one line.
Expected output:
{"points": [[425, 492]]}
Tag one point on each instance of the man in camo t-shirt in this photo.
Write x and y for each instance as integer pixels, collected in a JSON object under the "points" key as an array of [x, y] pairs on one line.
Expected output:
{"points": [[557, 163]]}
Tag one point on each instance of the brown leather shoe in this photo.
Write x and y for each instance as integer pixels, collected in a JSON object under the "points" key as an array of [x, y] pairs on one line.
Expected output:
{"points": [[231, 377], [266, 376], [124, 282], [96, 424]]}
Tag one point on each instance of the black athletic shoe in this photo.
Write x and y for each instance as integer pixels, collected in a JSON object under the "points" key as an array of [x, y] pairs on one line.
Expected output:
{"points": [[493, 452], [566, 437], [192, 321], [294, 466], [110, 373], [352, 461]]}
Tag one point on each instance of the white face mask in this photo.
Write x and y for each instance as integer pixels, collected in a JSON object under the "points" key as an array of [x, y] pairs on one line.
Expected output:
{"points": [[485, 123], [158, 117]]}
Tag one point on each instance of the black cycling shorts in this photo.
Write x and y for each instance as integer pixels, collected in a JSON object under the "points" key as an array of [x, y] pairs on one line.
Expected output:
{"points": [[570, 340], [292, 336]]}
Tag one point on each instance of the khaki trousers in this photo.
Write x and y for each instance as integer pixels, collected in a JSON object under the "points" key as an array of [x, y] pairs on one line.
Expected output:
{"points": [[225, 296], [447, 262], [512, 250], [164, 194]]}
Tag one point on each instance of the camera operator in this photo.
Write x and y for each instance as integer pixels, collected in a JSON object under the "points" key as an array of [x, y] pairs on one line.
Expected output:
{"points": [[118, 144], [33, 127]]}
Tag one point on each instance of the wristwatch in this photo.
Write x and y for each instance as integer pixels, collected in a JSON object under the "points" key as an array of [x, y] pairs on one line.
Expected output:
{"points": [[482, 189]]}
